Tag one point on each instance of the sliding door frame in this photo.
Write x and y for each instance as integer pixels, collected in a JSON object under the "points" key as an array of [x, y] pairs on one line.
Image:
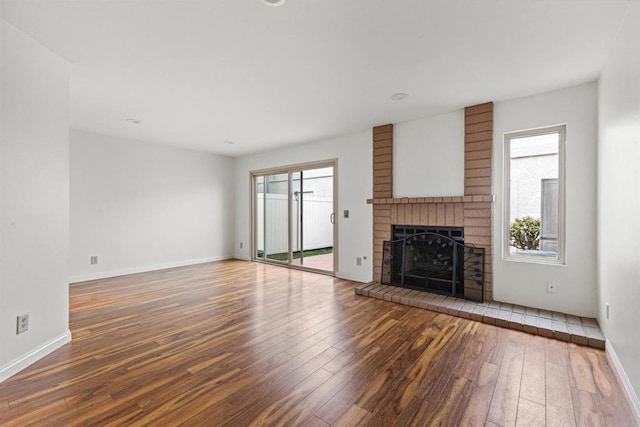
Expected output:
{"points": [[289, 169]]}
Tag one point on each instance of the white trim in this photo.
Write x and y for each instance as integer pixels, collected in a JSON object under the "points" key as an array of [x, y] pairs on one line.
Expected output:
{"points": [[33, 356], [624, 379], [561, 259], [336, 217], [351, 277], [144, 269]]}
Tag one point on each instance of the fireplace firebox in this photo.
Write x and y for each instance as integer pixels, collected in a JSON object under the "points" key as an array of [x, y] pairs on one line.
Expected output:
{"points": [[434, 259]]}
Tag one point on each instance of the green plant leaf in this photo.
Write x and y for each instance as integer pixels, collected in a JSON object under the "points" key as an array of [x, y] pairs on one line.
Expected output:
{"points": [[524, 233]]}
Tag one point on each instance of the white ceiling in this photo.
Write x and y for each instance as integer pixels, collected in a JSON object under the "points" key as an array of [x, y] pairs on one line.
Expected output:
{"points": [[198, 73]]}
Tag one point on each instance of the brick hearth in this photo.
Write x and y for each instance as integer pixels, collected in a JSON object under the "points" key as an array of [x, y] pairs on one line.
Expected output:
{"points": [[565, 327], [473, 211]]}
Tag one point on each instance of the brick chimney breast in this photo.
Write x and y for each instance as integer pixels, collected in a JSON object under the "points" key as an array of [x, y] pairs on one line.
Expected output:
{"points": [[473, 211]]}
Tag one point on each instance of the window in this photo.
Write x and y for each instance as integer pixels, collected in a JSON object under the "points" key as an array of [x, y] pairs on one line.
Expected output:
{"points": [[534, 195]]}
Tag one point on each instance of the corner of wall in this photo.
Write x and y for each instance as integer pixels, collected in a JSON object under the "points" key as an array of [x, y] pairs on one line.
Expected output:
{"points": [[632, 397], [29, 358]]}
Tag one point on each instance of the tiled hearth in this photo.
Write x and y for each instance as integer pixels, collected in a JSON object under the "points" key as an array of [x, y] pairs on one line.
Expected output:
{"points": [[579, 330]]}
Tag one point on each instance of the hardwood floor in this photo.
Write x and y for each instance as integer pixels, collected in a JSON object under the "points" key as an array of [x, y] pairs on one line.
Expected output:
{"points": [[236, 343]]}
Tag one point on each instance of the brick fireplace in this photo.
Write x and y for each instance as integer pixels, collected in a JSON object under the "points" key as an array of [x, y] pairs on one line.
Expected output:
{"points": [[473, 211]]}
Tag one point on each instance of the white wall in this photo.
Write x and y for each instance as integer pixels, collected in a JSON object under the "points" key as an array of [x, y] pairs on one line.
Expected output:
{"points": [[428, 156], [141, 207], [619, 197], [34, 199], [355, 175], [525, 283]]}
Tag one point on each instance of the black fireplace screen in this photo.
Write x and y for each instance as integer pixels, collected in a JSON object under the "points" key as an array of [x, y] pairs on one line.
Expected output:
{"points": [[436, 263]]}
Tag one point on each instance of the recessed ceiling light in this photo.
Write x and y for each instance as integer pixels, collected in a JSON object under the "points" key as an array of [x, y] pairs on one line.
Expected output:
{"points": [[229, 142], [133, 121], [274, 2], [399, 96]]}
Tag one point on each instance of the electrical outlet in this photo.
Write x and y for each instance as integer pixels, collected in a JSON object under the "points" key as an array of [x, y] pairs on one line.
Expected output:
{"points": [[552, 287], [22, 324], [358, 261], [94, 259], [241, 245], [606, 306]]}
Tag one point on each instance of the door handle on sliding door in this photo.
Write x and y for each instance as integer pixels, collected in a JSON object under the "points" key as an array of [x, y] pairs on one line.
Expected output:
{"points": [[332, 217]]}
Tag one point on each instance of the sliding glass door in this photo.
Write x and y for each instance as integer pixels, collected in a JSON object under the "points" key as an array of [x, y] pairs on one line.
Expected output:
{"points": [[313, 218], [293, 216], [271, 208]]}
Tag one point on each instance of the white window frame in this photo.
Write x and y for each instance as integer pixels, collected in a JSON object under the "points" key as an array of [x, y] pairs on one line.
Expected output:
{"points": [[562, 142]]}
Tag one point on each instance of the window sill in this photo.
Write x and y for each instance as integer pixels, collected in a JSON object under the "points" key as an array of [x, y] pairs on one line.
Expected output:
{"points": [[534, 259]]}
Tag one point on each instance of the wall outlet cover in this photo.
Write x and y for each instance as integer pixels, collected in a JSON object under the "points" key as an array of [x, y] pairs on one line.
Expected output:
{"points": [[23, 324]]}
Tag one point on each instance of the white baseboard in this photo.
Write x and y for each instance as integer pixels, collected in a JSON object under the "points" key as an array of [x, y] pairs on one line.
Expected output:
{"points": [[339, 275], [144, 269], [352, 277], [33, 356], [624, 379]]}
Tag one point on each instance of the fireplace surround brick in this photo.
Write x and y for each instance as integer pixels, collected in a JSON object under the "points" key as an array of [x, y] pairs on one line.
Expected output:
{"points": [[383, 161], [473, 211]]}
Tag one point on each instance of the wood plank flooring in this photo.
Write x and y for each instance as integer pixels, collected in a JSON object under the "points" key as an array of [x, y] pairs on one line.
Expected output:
{"points": [[235, 343]]}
